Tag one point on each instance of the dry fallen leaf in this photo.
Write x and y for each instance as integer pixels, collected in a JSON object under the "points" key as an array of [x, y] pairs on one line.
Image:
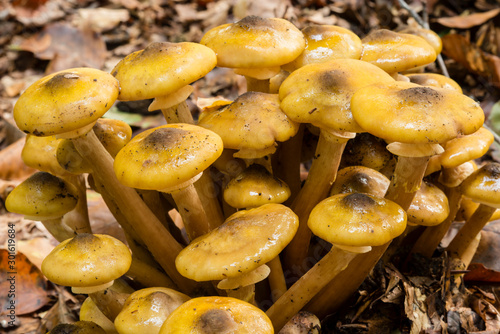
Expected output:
{"points": [[12, 166], [468, 21], [23, 282], [102, 19]]}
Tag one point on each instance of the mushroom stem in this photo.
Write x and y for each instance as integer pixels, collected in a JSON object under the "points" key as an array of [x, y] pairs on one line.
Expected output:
{"points": [[302, 291], [321, 177], [159, 241], [148, 275], [432, 236], [178, 113], [276, 278], [193, 215], [110, 302], [257, 85], [78, 218], [58, 229], [472, 227]]}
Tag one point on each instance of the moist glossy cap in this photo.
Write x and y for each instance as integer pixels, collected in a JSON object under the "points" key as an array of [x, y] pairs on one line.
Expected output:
{"points": [[90, 312], [65, 101], [246, 240], [254, 187], [145, 310], [113, 134], [167, 156], [162, 68], [429, 206], [483, 185], [409, 113], [357, 220], [255, 42], [40, 153], [430, 37], [210, 315], [87, 260], [360, 179], [324, 43], [434, 80], [253, 124], [42, 196], [320, 94], [396, 52]]}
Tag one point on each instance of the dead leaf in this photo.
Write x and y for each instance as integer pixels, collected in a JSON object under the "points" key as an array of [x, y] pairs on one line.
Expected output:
{"points": [[12, 166], [69, 47], [461, 50], [37, 12], [36, 249], [24, 283], [102, 19], [468, 21], [479, 273]]}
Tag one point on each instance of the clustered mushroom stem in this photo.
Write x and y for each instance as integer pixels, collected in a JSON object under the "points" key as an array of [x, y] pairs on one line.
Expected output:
{"points": [[109, 302], [302, 291], [178, 113], [432, 236], [277, 281], [472, 227], [148, 275], [321, 177], [59, 230], [257, 85], [78, 218], [191, 210], [159, 241]]}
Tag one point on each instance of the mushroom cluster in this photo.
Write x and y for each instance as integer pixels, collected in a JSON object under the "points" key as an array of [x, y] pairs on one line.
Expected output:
{"points": [[249, 194]]}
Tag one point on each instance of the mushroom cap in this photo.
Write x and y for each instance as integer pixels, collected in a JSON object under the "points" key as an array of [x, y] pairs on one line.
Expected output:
{"points": [[360, 179], [40, 153], [429, 207], [87, 260], [246, 240], [320, 93], [253, 123], [408, 113], [483, 185], [430, 37], [210, 315], [70, 159], [162, 68], [79, 327], [145, 310], [469, 147], [366, 150], [254, 187], [255, 42], [357, 220], [90, 312], [167, 156], [324, 43], [65, 101], [42, 196], [396, 52], [113, 134], [434, 80], [453, 177]]}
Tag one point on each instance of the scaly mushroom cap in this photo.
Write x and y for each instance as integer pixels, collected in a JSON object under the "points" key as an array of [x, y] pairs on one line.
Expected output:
{"points": [[145, 310], [254, 187], [320, 94], [253, 124], [462, 149], [430, 37], [255, 42], [429, 206], [162, 68], [434, 80], [79, 327], [40, 153], [65, 101], [357, 220], [245, 241], [87, 260], [483, 185], [217, 315], [396, 52], [42, 196], [113, 134], [409, 113], [167, 156], [324, 43], [360, 179]]}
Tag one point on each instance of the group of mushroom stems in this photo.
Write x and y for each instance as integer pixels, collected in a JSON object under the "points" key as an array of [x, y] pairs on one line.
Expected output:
{"points": [[288, 196]]}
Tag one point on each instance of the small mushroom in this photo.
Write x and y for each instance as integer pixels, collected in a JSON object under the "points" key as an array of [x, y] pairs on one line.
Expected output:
{"points": [[90, 312], [255, 47], [353, 223], [47, 198], [145, 310]]}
